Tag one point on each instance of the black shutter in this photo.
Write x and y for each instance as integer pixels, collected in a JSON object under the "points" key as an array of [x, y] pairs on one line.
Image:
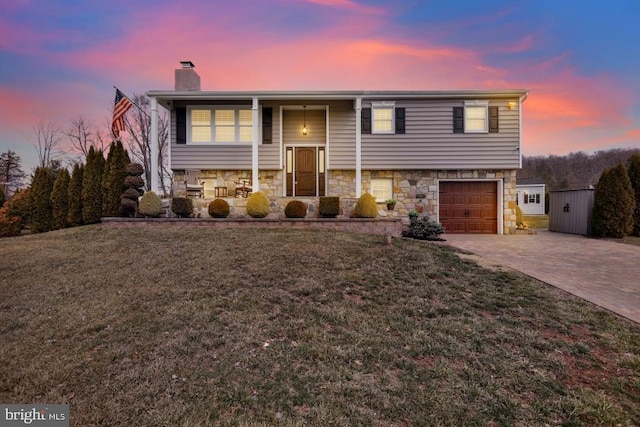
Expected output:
{"points": [[181, 125], [366, 120], [458, 119], [493, 119], [400, 120], [267, 125]]}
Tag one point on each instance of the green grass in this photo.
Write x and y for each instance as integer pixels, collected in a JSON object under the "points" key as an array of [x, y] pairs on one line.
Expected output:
{"points": [[195, 326], [539, 222]]}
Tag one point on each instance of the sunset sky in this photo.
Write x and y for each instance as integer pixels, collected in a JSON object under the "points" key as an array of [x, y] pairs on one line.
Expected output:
{"points": [[579, 60]]}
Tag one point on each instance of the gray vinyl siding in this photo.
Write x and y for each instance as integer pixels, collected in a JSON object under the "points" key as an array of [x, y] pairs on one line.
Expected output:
{"points": [[316, 125], [269, 154], [342, 136], [224, 156], [429, 141]]}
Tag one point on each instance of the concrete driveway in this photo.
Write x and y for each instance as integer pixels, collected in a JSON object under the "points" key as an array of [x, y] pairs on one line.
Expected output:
{"points": [[603, 272]]}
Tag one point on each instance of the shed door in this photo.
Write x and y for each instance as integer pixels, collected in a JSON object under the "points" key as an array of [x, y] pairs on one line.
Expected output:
{"points": [[469, 206]]}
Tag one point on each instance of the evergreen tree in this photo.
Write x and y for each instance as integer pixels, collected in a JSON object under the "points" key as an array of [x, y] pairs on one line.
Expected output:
{"points": [[41, 218], [113, 179], [92, 187], [612, 214], [2, 197], [634, 177], [74, 194], [60, 199]]}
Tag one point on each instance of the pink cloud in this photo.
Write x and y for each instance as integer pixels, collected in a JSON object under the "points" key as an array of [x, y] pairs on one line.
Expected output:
{"points": [[348, 5], [566, 111]]}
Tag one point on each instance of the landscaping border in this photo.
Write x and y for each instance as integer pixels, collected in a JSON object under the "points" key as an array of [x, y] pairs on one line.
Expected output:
{"points": [[377, 226]]}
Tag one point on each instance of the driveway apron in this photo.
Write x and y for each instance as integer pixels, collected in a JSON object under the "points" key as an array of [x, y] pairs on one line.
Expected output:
{"points": [[603, 272]]}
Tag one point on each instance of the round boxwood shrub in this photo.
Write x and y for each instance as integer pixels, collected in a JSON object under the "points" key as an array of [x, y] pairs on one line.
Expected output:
{"points": [[182, 206], [219, 208], [295, 209], [366, 207], [258, 205], [150, 205]]}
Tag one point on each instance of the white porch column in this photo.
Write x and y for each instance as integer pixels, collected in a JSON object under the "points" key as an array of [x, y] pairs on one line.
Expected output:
{"points": [[155, 183], [358, 106], [255, 179]]}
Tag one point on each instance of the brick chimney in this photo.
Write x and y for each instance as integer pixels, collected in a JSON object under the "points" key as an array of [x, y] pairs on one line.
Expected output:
{"points": [[186, 77]]}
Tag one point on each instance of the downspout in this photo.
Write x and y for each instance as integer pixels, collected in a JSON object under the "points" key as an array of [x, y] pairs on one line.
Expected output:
{"points": [[155, 185], [358, 105], [255, 179]]}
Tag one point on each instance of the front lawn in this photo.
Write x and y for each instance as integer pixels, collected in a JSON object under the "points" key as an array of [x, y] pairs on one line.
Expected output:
{"points": [[182, 326]]}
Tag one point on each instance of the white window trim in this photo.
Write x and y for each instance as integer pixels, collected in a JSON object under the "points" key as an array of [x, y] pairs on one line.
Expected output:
{"points": [[212, 109], [391, 105], [484, 104]]}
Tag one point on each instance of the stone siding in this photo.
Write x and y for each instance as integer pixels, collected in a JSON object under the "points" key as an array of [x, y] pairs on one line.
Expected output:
{"points": [[414, 190]]}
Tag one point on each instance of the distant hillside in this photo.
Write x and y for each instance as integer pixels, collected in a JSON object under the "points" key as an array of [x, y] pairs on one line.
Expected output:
{"points": [[573, 171]]}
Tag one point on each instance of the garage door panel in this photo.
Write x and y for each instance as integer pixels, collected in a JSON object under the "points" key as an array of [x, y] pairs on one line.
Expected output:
{"points": [[469, 206]]}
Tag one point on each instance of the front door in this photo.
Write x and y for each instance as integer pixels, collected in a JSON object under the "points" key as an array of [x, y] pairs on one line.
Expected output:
{"points": [[305, 171]]}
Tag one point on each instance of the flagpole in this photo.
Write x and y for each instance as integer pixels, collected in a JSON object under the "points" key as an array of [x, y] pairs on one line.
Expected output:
{"points": [[131, 101]]}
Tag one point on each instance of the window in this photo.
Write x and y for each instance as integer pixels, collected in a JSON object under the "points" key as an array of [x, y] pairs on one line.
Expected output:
{"points": [[382, 119], [476, 116], [224, 125], [382, 189], [533, 198]]}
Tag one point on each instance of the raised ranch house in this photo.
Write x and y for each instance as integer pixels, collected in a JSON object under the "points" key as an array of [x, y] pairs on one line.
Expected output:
{"points": [[451, 154]]}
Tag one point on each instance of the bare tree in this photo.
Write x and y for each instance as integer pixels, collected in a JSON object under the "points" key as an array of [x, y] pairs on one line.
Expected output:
{"points": [[47, 143], [11, 173], [82, 135], [138, 140]]}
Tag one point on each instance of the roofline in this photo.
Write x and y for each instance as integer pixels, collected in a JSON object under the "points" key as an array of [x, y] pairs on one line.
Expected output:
{"points": [[336, 94]]}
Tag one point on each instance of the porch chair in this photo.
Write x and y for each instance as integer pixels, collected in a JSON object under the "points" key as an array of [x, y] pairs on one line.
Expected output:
{"points": [[193, 187], [243, 187]]}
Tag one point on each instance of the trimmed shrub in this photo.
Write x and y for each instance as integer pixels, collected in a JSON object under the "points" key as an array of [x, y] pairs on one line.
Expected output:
{"points": [[366, 207], [424, 229], [60, 199], [150, 205], [519, 223], [295, 209], [634, 177], [329, 207], [182, 206], [219, 208], [258, 205], [92, 187], [613, 205], [133, 184], [41, 219], [74, 193], [113, 179], [9, 225]]}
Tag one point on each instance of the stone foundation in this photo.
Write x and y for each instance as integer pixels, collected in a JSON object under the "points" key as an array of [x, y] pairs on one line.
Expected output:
{"points": [[414, 190]]}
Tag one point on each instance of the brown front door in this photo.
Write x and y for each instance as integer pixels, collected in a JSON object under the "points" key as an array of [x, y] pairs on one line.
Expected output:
{"points": [[469, 206], [305, 171]]}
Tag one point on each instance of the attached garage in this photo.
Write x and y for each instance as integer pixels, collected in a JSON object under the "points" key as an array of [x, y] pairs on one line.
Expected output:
{"points": [[469, 206]]}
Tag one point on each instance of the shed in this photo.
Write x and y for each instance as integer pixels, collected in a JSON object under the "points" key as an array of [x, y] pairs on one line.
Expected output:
{"points": [[570, 211], [530, 198]]}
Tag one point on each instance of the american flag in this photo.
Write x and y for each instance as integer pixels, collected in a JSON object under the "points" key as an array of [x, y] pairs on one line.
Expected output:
{"points": [[120, 107]]}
